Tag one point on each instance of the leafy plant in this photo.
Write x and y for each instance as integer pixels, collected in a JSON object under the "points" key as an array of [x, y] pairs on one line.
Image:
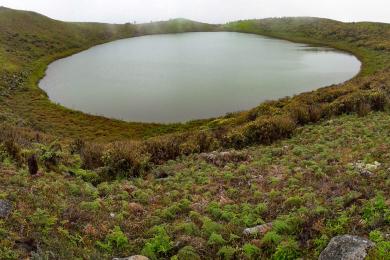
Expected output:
{"points": [[159, 245], [116, 239], [42, 220], [251, 251], [227, 252], [287, 250], [216, 239]]}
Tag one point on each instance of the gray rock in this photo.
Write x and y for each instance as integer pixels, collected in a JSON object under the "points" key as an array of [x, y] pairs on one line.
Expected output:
{"points": [[261, 229], [346, 247], [220, 159], [5, 208], [366, 169], [134, 257]]}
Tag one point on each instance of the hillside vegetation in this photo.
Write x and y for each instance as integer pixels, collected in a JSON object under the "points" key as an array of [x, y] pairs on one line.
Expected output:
{"points": [[89, 187]]}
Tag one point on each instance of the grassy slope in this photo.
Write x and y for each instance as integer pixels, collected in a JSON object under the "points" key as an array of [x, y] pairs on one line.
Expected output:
{"points": [[30, 41], [306, 185], [370, 42]]}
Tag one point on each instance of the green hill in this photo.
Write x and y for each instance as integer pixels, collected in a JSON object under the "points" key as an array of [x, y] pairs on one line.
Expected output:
{"points": [[315, 165]]}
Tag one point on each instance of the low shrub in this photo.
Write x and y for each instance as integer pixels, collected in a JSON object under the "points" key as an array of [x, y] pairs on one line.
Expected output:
{"points": [[227, 253], [124, 159], [262, 131], [251, 251], [162, 149], [159, 245], [198, 142], [91, 155], [42, 221], [50, 155], [210, 226], [382, 245], [376, 211], [287, 250], [14, 151], [186, 253], [115, 240], [215, 239], [271, 238]]}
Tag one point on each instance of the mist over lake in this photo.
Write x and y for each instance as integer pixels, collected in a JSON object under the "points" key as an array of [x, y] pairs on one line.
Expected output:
{"points": [[180, 77]]}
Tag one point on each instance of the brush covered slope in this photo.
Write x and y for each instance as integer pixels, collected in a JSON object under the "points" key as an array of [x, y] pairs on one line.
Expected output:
{"points": [[101, 188], [329, 179]]}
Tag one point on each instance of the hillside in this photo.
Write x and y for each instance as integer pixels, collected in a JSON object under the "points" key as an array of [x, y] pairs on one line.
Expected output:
{"points": [[74, 185], [30, 41], [312, 187]]}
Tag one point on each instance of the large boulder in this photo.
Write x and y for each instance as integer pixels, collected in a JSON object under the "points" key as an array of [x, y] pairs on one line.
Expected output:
{"points": [[346, 247], [5, 208]]}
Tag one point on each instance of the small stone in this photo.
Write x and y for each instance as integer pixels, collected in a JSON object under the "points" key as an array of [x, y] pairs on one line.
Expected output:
{"points": [[366, 169], [134, 257], [373, 166], [5, 208], [221, 159], [261, 229], [346, 247]]}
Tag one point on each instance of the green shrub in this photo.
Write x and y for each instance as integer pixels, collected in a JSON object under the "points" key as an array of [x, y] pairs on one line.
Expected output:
{"points": [[376, 211], [261, 208], [214, 209], [159, 245], [382, 246], [210, 226], [248, 216], [91, 155], [164, 148], [14, 151], [176, 208], [42, 221], [187, 228], [125, 159], [88, 176], [90, 206], [263, 130], [227, 252], [287, 224], [51, 155], [287, 250], [320, 243], [116, 239], [294, 201], [198, 142], [187, 253], [216, 239], [271, 238], [8, 253], [251, 251]]}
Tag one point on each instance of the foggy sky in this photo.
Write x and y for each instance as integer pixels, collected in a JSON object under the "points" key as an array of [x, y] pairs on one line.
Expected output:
{"points": [[212, 11]]}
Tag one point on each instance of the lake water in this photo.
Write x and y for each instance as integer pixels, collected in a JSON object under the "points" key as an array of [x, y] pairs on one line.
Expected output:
{"points": [[180, 77]]}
